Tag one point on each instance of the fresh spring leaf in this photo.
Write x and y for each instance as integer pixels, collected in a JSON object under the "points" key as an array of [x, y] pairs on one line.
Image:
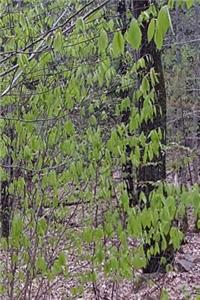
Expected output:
{"points": [[23, 61], [151, 30], [138, 262], [198, 224], [158, 37], [164, 295], [41, 227], [102, 41], [125, 201], [58, 42], [176, 237], [17, 226], [163, 21], [41, 264], [134, 35], [162, 25], [118, 44], [189, 3]]}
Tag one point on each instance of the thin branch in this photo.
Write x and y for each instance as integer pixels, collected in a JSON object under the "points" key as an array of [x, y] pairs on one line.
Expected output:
{"points": [[46, 35]]}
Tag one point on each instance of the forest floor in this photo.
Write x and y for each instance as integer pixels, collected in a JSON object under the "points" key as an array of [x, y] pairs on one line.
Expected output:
{"points": [[181, 284]]}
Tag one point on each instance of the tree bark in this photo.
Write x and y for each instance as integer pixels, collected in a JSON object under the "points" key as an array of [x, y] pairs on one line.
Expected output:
{"points": [[155, 171], [6, 204]]}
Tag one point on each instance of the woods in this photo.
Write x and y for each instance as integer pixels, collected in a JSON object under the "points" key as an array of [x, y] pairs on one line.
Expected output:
{"points": [[100, 178]]}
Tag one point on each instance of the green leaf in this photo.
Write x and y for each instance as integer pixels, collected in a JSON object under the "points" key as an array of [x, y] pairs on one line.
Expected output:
{"points": [[162, 25], [138, 262], [59, 264], [62, 259], [158, 38], [134, 35], [23, 61], [145, 86], [134, 226], [3, 149], [163, 243], [146, 218], [171, 3], [176, 237], [164, 295], [108, 228], [52, 178], [27, 153], [3, 174], [58, 41], [17, 226], [151, 29], [163, 22], [134, 122], [156, 249], [41, 264], [41, 227], [198, 224], [118, 44], [125, 201], [80, 24], [87, 235], [102, 41], [114, 263], [67, 147], [100, 255], [195, 197], [189, 3], [69, 128]]}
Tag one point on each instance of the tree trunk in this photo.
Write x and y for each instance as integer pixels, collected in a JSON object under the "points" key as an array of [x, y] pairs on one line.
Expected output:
{"points": [[155, 171], [6, 205], [5, 210]]}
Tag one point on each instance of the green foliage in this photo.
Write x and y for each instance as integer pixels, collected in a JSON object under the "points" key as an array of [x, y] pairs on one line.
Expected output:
{"points": [[162, 25], [164, 295], [182, 3], [118, 44], [64, 104], [134, 35], [151, 30], [103, 41]]}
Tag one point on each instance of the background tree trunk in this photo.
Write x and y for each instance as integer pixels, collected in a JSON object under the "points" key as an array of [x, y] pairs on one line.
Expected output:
{"points": [[6, 204]]}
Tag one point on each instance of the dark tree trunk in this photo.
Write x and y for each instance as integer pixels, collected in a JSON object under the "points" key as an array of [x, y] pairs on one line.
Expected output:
{"points": [[154, 171], [6, 205], [157, 170], [5, 210]]}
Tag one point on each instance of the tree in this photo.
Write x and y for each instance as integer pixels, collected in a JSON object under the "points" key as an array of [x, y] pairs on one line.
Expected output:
{"points": [[68, 77], [154, 171]]}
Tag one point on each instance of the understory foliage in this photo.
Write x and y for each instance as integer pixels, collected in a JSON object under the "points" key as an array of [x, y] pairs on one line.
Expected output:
{"points": [[63, 142]]}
